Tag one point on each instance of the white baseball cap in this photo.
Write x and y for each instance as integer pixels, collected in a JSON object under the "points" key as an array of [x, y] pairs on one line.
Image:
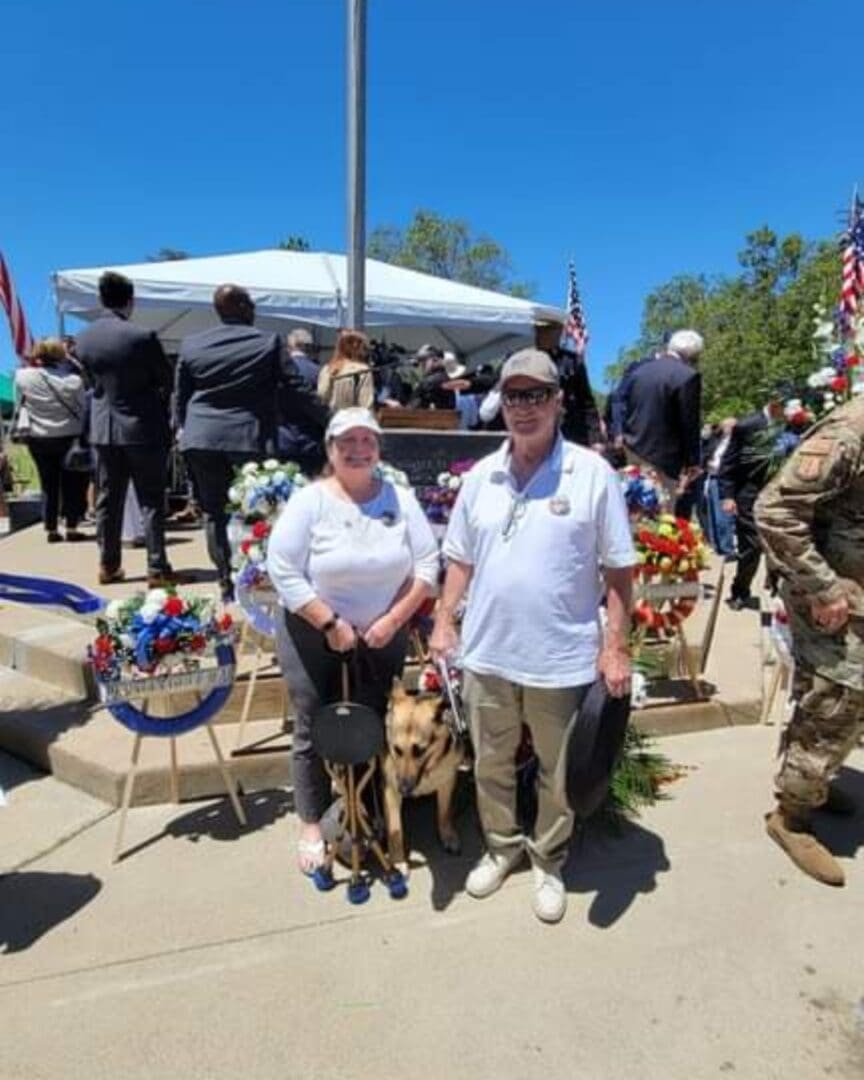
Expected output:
{"points": [[353, 417]]}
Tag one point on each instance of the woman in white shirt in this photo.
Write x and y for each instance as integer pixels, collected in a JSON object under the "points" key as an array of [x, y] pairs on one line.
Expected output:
{"points": [[352, 557], [56, 404]]}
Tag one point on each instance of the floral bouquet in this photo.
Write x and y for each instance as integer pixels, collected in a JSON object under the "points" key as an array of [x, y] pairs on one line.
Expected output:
{"points": [[670, 549], [641, 493], [437, 499], [156, 633], [670, 553], [255, 498]]}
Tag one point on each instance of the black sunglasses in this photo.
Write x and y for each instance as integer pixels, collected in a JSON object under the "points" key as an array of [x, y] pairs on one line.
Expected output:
{"points": [[538, 396]]}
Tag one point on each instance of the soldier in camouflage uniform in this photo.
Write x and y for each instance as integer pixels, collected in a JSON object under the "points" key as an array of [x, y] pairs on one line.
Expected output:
{"points": [[811, 521]]}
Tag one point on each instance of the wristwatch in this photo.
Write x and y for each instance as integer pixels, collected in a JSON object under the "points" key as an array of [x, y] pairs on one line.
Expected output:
{"points": [[331, 623]]}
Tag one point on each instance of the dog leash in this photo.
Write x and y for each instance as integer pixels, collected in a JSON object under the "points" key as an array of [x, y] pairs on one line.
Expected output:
{"points": [[461, 728]]}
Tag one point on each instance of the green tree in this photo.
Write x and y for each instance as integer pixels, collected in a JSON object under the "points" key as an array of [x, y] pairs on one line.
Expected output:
{"points": [[168, 254], [294, 243], [447, 248], [757, 325]]}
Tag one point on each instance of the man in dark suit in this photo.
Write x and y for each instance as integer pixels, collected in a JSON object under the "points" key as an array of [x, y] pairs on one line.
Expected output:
{"points": [[744, 471], [661, 405], [303, 415], [131, 383], [226, 405]]}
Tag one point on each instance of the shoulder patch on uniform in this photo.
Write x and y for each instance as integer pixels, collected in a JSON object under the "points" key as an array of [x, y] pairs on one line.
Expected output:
{"points": [[812, 457]]}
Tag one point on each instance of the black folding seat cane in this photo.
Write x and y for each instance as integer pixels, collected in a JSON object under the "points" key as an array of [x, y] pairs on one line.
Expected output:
{"points": [[349, 737]]}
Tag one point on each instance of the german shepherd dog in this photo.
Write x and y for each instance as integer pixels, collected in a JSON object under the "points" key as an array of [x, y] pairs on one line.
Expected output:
{"points": [[422, 756]]}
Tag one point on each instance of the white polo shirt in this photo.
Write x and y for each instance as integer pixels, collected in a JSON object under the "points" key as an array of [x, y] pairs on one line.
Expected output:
{"points": [[533, 609]]}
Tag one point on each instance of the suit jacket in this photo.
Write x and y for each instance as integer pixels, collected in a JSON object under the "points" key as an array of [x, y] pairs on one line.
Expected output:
{"points": [[131, 383], [744, 472], [227, 389], [303, 415], [661, 416]]}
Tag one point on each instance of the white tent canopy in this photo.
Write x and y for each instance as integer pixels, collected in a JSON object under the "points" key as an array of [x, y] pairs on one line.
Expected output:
{"points": [[298, 288]]}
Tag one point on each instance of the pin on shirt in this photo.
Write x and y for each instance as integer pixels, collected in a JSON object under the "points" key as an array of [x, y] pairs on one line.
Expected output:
{"points": [[560, 505]]}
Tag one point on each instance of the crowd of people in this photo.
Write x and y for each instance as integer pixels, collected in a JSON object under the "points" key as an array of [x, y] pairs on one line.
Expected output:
{"points": [[539, 540]]}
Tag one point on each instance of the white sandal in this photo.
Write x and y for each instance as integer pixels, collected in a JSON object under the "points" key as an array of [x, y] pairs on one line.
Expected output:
{"points": [[310, 855]]}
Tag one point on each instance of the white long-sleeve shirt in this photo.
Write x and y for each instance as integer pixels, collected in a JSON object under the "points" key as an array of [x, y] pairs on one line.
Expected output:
{"points": [[355, 557]]}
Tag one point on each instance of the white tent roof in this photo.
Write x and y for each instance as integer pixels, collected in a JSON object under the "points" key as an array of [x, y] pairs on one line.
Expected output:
{"points": [[309, 288]]}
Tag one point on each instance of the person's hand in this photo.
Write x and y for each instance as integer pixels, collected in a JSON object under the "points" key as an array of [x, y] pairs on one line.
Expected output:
{"points": [[381, 632], [729, 506], [830, 617], [457, 384], [341, 637], [615, 667], [444, 641]]}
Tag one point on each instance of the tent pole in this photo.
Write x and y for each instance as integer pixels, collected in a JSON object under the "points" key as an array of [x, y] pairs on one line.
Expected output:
{"points": [[356, 163]]}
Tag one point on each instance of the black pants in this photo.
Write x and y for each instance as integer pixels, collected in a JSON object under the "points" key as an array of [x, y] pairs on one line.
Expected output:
{"points": [[212, 472], [147, 468], [64, 492], [749, 550], [314, 677]]}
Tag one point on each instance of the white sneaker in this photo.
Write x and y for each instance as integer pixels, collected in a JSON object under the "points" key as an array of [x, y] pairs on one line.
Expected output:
{"points": [[488, 875], [550, 896]]}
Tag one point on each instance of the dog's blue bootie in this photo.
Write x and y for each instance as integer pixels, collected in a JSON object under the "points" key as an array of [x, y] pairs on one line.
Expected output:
{"points": [[358, 892], [322, 878], [397, 885]]}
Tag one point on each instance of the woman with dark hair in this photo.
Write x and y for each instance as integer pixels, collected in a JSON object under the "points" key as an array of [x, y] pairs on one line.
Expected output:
{"points": [[352, 557], [346, 379], [53, 393]]}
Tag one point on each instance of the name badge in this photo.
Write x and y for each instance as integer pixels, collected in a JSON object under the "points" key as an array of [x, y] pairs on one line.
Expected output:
{"points": [[560, 506]]}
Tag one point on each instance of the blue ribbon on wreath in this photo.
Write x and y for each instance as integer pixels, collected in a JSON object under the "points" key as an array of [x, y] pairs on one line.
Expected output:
{"points": [[34, 590], [144, 724]]}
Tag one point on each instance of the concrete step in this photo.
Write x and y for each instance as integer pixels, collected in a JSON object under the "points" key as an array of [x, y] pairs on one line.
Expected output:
{"points": [[96, 757], [47, 646], [32, 715]]}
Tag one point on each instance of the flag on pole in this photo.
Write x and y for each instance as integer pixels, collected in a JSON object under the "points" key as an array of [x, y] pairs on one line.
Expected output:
{"points": [[574, 336], [852, 289], [21, 339]]}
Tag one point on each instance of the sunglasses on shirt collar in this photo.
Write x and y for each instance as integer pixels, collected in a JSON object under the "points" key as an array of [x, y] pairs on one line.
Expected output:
{"points": [[535, 396]]}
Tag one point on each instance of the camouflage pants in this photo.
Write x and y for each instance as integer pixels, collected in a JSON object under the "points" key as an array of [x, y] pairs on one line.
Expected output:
{"points": [[826, 725]]}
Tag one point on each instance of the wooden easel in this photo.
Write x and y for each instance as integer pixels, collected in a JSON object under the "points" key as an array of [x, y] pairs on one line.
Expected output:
{"points": [[129, 784], [261, 640], [664, 594]]}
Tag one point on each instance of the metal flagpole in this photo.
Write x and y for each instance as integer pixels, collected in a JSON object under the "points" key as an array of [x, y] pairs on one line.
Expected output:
{"points": [[356, 163]]}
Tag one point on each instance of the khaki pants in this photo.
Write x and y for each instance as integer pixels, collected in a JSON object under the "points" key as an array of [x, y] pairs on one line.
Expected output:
{"points": [[496, 711]]}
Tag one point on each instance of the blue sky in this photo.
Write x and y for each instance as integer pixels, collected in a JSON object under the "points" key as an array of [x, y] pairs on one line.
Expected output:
{"points": [[642, 139]]}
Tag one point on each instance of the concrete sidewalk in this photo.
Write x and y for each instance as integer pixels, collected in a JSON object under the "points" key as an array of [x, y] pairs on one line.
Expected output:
{"points": [[692, 948]]}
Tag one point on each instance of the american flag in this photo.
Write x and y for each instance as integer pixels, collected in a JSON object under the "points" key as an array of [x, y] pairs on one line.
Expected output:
{"points": [[21, 338], [852, 288], [574, 336]]}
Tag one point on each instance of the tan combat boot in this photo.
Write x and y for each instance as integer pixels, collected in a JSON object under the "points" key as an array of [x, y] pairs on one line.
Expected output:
{"points": [[793, 835]]}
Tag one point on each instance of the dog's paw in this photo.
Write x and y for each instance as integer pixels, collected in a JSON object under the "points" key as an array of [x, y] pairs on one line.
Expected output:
{"points": [[451, 843]]}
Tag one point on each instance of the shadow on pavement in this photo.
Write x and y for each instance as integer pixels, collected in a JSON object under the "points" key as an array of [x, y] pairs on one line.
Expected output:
{"points": [[618, 864], [216, 820], [448, 872], [844, 835], [33, 903]]}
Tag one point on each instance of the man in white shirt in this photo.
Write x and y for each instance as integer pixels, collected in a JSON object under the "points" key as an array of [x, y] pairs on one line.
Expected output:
{"points": [[538, 527]]}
